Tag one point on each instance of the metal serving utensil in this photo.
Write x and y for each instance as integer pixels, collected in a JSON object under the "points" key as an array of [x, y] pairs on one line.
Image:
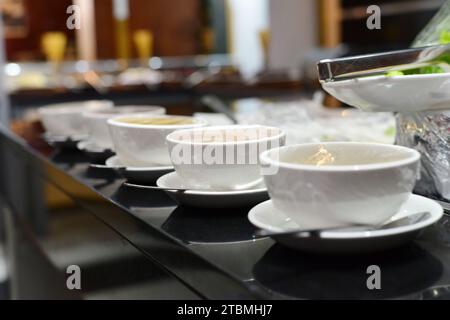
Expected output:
{"points": [[445, 205], [414, 218], [217, 105], [379, 63]]}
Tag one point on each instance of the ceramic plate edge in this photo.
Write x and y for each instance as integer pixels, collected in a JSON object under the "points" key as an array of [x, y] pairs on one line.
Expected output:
{"points": [[195, 192], [109, 160], [436, 213]]}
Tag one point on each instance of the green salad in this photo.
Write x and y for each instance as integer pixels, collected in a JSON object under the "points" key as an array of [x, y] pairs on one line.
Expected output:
{"points": [[441, 66]]}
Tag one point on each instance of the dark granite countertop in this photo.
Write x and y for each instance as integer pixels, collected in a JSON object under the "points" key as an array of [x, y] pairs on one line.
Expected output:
{"points": [[213, 252]]}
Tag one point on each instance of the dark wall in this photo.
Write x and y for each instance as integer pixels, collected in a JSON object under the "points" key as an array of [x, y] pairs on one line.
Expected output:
{"points": [[43, 15], [398, 30], [175, 25]]}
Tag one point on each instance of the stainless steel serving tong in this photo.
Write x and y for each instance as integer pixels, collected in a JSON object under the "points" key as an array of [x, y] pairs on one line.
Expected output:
{"points": [[379, 63]]}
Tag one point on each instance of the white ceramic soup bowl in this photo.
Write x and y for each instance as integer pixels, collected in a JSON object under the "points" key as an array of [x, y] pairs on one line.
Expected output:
{"points": [[144, 145], [66, 119], [321, 185], [97, 121], [222, 157]]}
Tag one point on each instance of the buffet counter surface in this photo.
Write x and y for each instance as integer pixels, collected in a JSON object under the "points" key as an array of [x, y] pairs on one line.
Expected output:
{"points": [[131, 243]]}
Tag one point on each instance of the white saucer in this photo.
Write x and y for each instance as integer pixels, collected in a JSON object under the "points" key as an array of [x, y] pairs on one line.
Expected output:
{"points": [[63, 141], [145, 175], [211, 198], [266, 216], [89, 146], [397, 93], [95, 152], [50, 137]]}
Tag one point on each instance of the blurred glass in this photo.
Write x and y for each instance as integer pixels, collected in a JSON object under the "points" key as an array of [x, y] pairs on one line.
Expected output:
{"points": [[143, 40], [54, 46]]}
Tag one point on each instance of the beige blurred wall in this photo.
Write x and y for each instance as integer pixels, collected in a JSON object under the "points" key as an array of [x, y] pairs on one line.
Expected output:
{"points": [[294, 30]]}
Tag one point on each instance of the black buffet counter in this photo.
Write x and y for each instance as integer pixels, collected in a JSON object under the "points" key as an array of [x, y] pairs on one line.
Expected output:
{"points": [[128, 243]]}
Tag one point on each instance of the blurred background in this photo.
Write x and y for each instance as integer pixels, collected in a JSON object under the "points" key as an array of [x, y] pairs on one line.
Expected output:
{"points": [[109, 28], [174, 52], [159, 44], [255, 59]]}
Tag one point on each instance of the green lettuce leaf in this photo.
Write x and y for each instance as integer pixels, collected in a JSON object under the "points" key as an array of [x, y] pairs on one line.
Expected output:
{"points": [[444, 38]]}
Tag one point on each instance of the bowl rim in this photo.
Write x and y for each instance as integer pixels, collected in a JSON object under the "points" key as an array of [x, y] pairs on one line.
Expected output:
{"points": [[396, 79], [76, 106], [197, 122], [414, 156], [281, 134], [128, 110]]}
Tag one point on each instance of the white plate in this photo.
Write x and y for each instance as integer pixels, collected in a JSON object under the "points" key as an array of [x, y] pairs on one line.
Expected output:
{"points": [[398, 93], [211, 198], [54, 138], [96, 153], [63, 141], [147, 175], [266, 216], [88, 146]]}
